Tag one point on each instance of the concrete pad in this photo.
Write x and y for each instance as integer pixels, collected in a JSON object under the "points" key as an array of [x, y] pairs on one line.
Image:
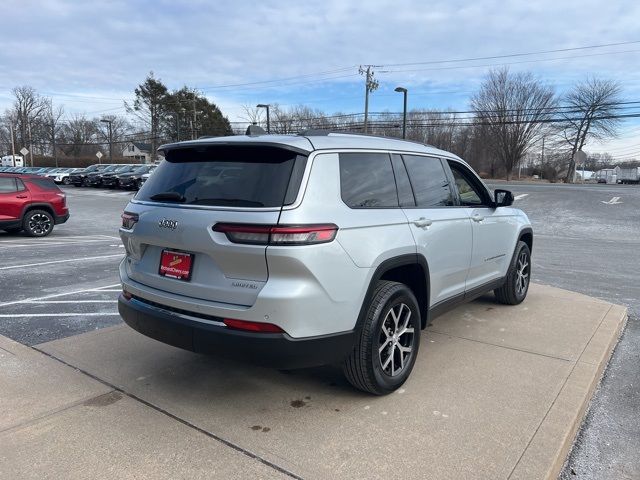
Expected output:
{"points": [[113, 436], [550, 322], [33, 385], [481, 402]]}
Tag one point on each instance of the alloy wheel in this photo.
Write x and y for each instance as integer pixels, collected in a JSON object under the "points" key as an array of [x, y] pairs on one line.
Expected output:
{"points": [[396, 340], [40, 224], [522, 274]]}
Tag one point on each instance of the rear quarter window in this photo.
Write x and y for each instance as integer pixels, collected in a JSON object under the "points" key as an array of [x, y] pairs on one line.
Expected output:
{"points": [[367, 181], [8, 185], [44, 183], [229, 176]]}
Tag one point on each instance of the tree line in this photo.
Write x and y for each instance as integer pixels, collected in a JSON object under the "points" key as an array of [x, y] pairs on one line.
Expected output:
{"points": [[512, 117]]}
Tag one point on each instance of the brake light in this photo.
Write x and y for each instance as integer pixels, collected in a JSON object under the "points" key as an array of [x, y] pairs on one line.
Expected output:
{"points": [[129, 220], [277, 234], [252, 326]]}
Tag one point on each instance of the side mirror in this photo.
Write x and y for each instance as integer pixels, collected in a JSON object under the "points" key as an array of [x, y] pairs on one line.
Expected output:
{"points": [[502, 198]]}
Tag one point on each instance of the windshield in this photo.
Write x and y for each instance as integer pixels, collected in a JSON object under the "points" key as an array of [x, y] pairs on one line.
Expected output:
{"points": [[239, 176]]}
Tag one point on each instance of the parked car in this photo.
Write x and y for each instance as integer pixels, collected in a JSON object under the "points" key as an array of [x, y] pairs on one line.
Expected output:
{"points": [[63, 175], [80, 179], [95, 179], [315, 249], [111, 179], [133, 180], [146, 176], [31, 203]]}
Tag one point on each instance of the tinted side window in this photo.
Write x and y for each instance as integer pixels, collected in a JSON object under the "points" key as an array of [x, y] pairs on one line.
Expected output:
{"points": [[366, 180], [44, 183], [8, 185], [405, 193], [429, 181]]}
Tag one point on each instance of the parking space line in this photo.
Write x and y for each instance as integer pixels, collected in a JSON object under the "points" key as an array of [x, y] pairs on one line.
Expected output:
{"points": [[55, 295], [51, 244], [91, 314], [82, 259], [112, 290], [521, 196]]}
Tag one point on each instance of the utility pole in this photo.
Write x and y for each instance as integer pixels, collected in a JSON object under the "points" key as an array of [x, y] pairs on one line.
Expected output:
{"points": [[370, 85], [105, 120], [195, 119], [542, 159], [30, 141], [53, 141], [13, 145]]}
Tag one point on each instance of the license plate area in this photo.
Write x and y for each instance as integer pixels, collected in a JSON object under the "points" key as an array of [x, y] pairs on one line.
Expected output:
{"points": [[176, 265]]}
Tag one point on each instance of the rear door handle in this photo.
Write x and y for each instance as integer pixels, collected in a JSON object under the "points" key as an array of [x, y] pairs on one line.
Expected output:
{"points": [[477, 218], [422, 222]]}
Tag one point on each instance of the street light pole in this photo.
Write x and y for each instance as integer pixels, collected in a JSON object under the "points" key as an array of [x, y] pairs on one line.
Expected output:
{"points": [[404, 110], [266, 106], [104, 120]]}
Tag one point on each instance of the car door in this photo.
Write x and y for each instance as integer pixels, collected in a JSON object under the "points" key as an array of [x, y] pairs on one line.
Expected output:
{"points": [[13, 196], [442, 232], [493, 228]]}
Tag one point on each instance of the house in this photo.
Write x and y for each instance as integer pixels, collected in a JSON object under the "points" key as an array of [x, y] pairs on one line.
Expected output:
{"points": [[137, 151]]}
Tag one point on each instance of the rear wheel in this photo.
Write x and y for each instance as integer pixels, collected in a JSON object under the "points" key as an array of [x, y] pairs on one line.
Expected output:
{"points": [[386, 349], [516, 284], [66, 181], [37, 223]]}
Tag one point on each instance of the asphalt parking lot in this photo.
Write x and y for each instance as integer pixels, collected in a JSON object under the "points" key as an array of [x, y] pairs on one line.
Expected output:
{"points": [[585, 241]]}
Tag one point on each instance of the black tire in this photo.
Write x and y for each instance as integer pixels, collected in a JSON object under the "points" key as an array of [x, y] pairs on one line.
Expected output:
{"points": [[66, 181], [515, 287], [365, 367], [37, 223], [84, 182]]}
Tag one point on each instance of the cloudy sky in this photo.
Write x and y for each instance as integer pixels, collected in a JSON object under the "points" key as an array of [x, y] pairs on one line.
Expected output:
{"points": [[90, 56]]}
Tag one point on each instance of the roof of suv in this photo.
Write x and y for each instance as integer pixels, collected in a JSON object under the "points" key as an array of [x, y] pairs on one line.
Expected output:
{"points": [[312, 142]]}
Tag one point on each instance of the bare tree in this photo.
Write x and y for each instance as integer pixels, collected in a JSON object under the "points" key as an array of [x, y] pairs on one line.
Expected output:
{"points": [[29, 111], [591, 113], [514, 108], [78, 137]]}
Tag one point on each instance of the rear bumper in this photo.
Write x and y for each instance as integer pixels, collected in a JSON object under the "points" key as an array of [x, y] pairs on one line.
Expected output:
{"points": [[277, 350], [62, 218]]}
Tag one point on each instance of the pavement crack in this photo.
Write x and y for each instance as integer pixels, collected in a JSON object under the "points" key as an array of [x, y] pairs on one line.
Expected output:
{"points": [[158, 409]]}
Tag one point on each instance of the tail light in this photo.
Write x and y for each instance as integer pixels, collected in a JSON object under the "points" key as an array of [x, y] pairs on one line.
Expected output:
{"points": [[129, 220], [277, 234], [252, 326]]}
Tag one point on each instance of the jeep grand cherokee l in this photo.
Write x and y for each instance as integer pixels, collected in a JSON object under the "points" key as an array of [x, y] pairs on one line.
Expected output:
{"points": [[295, 251]]}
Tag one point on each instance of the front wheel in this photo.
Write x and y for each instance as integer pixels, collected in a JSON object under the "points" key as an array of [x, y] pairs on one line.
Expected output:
{"points": [[66, 181], [37, 223], [516, 283], [386, 349]]}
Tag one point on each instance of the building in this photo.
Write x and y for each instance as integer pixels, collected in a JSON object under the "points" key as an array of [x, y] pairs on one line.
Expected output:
{"points": [[137, 151]]}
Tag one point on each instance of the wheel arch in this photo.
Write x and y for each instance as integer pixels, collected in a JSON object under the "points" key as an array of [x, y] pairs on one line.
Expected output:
{"points": [[410, 269], [39, 206], [526, 235]]}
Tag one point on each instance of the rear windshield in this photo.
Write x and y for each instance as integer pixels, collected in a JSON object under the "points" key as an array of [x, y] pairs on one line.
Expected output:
{"points": [[229, 176]]}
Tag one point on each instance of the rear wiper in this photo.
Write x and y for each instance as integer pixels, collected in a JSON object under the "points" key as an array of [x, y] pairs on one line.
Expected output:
{"points": [[171, 196]]}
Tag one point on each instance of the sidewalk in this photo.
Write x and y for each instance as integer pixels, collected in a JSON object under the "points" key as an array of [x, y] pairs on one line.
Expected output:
{"points": [[497, 392]]}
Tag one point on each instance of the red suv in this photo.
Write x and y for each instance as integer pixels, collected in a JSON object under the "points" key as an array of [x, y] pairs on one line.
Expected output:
{"points": [[31, 203]]}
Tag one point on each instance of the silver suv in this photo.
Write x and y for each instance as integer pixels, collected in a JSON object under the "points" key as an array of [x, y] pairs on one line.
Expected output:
{"points": [[295, 251]]}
